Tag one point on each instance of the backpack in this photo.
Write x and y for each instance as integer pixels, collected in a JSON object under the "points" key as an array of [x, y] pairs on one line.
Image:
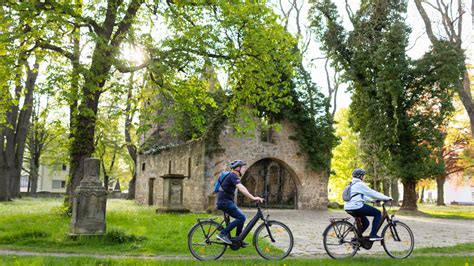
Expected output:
{"points": [[346, 193], [220, 180]]}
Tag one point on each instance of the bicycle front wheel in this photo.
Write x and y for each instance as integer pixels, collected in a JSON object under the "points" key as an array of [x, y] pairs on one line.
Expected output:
{"points": [[340, 240], [202, 243], [398, 240], [273, 240]]}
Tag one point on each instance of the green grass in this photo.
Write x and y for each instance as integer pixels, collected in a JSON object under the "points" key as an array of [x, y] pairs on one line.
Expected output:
{"points": [[451, 211], [34, 224], [464, 247], [27, 260]]}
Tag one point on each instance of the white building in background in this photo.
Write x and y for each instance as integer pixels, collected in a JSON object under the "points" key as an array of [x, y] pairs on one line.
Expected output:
{"points": [[462, 192], [51, 178]]}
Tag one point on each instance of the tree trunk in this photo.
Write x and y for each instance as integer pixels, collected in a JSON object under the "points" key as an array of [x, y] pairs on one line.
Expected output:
{"points": [[4, 182], [131, 187], [132, 149], [386, 186], [106, 183], [422, 194], [394, 191], [466, 99], [409, 196], [22, 130], [440, 187]]}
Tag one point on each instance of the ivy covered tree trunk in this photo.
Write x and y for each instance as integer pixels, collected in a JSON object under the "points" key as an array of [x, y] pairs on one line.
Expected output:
{"points": [[409, 195], [110, 35], [440, 179]]}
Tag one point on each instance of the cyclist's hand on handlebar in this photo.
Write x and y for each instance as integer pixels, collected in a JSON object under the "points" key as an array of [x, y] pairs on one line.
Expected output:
{"points": [[258, 199]]}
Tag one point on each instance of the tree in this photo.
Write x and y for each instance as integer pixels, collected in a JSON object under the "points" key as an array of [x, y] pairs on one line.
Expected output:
{"points": [[346, 156], [452, 32], [398, 105], [456, 154]]}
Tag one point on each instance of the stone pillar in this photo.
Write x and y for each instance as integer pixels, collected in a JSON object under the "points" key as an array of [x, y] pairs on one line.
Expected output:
{"points": [[90, 198], [172, 194]]}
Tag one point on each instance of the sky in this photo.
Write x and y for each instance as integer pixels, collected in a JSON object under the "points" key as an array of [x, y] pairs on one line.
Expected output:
{"points": [[419, 42]]}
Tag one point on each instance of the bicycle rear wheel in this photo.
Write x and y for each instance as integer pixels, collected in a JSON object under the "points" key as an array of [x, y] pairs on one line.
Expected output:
{"points": [[202, 243], [398, 240], [273, 240], [339, 240]]}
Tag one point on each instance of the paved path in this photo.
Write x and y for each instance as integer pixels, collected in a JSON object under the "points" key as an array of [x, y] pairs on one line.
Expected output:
{"points": [[308, 226]]}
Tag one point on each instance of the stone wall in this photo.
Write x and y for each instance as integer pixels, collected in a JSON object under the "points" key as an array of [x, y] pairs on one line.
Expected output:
{"points": [[179, 158]]}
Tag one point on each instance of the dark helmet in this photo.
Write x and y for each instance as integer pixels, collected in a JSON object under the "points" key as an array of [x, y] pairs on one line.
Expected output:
{"points": [[237, 163], [358, 173]]}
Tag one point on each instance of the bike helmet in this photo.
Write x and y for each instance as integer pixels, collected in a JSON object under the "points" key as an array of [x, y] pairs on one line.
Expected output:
{"points": [[358, 173], [237, 163]]}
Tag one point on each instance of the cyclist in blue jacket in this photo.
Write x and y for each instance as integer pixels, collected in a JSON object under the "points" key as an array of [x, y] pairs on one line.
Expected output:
{"points": [[226, 203]]}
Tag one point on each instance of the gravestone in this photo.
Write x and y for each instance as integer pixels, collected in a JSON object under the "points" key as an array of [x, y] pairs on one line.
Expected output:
{"points": [[89, 203], [172, 194]]}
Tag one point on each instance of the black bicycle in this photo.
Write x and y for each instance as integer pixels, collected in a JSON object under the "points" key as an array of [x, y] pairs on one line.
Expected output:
{"points": [[343, 239], [272, 239]]}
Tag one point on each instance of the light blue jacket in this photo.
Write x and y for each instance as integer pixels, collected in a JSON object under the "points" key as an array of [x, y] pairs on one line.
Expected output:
{"points": [[365, 194]]}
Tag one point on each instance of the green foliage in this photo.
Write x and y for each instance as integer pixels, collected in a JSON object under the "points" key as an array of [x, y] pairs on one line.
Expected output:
{"points": [[399, 106], [314, 133], [346, 156]]}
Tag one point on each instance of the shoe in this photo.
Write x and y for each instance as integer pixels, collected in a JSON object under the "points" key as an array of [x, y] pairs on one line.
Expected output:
{"points": [[224, 238], [244, 244], [375, 238]]}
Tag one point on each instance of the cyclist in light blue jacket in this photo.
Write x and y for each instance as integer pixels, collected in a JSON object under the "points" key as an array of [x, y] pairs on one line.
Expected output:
{"points": [[360, 193]]}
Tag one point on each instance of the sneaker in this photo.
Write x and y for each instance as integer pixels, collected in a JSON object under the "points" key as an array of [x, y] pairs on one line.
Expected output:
{"points": [[375, 238], [244, 244], [224, 238]]}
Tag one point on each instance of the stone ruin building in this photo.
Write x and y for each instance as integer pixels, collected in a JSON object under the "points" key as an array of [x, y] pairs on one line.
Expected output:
{"points": [[276, 169]]}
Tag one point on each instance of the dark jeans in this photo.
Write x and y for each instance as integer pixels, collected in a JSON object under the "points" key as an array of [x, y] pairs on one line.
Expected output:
{"points": [[368, 210], [235, 212]]}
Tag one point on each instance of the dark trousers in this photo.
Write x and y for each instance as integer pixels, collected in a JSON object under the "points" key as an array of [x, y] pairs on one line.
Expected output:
{"points": [[368, 210], [232, 210]]}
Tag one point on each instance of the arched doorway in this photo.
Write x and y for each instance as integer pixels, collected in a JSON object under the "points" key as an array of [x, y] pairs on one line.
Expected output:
{"points": [[272, 180]]}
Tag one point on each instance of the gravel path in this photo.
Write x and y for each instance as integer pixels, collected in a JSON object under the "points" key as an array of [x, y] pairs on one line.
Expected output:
{"points": [[308, 226]]}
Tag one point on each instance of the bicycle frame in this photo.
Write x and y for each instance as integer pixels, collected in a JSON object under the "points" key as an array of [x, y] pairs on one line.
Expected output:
{"points": [[385, 217], [258, 216]]}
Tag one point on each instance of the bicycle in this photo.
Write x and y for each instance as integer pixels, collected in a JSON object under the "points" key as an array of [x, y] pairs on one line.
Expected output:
{"points": [[343, 239], [271, 239]]}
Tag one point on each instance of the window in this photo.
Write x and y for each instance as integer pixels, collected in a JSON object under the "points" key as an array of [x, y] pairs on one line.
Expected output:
{"points": [[143, 166], [58, 184], [64, 167], [473, 196], [430, 195]]}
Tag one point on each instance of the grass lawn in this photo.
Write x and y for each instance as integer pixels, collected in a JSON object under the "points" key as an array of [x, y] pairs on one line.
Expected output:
{"points": [[458, 261], [35, 224], [451, 211]]}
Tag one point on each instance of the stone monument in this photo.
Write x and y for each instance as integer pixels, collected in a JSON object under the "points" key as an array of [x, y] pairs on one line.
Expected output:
{"points": [[90, 198], [172, 194]]}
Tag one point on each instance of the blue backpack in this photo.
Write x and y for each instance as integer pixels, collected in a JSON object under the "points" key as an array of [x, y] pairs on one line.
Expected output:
{"points": [[220, 180]]}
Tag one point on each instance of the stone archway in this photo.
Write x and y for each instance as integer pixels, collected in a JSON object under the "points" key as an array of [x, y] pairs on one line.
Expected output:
{"points": [[273, 180]]}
